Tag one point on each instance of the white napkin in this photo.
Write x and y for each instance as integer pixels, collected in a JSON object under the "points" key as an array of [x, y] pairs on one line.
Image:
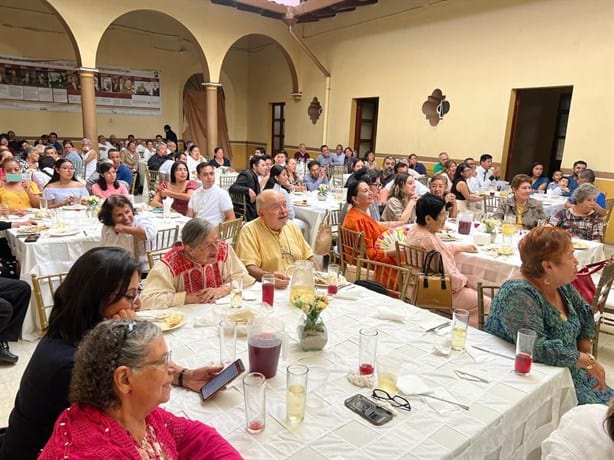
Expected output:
{"points": [[411, 385], [390, 314], [344, 295], [430, 323], [443, 346]]}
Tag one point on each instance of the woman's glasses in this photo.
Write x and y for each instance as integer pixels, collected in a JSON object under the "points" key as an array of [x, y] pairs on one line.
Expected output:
{"points": [[395, 401], [132, 298]]}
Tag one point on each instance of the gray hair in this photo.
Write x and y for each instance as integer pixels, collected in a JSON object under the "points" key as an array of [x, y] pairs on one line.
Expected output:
{"points": [[584, 192], [111, 344], [195, 231], [587, 174], [160, 145]]}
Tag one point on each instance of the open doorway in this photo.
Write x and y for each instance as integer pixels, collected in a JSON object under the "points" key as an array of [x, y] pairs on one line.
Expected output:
{"points": [[365, 127], [537, 129]]}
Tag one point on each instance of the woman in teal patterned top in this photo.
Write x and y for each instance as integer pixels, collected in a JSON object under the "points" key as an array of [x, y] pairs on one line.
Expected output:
{"points": [[541, 298]]}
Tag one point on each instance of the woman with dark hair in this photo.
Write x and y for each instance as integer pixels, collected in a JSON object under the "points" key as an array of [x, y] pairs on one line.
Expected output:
{"points": [[278, 180], [121, 376], [415, 165], [121, 227], [449, 172], [64, 188], [541, 298], [18, 195], [180, 188], [197, 270], [581, 220], [526, 210], [219, 159], [194, 158], [369, 160], [107, 183], [430, 219], [438, 187], [461, 189], [102, 284], [538, 180], [401, 200]]}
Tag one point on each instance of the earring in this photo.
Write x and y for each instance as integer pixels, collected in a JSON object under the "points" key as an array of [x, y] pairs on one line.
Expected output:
{"points": [[547, 281]]}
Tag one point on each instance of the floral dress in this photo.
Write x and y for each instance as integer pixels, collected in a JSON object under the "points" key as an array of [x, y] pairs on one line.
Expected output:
{"points": [[518, 304]]}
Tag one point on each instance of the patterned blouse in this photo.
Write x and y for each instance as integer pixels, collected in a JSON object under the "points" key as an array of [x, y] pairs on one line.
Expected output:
{"points": [[518, 304], [585, 227]]}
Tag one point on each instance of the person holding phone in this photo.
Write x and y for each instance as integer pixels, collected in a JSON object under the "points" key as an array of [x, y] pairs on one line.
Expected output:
{"points": [[64, 189], [19, 192]]}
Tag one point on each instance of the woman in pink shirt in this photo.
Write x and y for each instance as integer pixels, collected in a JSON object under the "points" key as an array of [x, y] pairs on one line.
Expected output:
{"points": [[107, 183]]}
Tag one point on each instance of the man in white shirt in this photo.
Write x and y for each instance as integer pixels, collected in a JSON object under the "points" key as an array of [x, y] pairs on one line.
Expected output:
{"points": [[486, 174], [472, 181], [210, 202]]}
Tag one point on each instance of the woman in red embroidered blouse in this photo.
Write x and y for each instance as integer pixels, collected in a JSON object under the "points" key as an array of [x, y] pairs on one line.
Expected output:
{"points": [[180, 188], [197, 270]]}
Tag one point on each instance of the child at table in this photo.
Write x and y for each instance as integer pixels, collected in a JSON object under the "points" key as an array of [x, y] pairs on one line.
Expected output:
{"points": [[556, 186]]}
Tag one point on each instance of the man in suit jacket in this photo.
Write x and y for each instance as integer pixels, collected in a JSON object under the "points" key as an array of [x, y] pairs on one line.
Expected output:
{"points": [[247, 184]]}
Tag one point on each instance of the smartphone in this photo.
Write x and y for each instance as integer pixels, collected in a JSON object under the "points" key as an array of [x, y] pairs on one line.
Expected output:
{"points": [[222, 379], [32, 238], [14, 177], [368, 410]]}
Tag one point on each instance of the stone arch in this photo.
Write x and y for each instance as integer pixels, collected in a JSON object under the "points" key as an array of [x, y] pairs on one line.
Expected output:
{"points": [[281, 49], [69, 32]]}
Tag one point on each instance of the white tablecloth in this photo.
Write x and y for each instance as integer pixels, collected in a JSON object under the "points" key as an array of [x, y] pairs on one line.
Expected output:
{"points": [[490, 268], [313, 212], [508, 417], [57, 254]]}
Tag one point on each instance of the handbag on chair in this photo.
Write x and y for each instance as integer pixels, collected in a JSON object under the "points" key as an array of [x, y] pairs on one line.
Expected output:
{"points": [[433, 288], [584, 282], [324, 239]]}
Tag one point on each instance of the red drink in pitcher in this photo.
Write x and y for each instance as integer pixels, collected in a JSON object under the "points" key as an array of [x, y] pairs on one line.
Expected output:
{"points": [[263, 350]]}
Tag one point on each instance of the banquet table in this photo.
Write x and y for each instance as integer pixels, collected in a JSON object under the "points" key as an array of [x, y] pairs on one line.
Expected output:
{"points": [[491, 268], [309, 208], [508, 417], [53, 254]]}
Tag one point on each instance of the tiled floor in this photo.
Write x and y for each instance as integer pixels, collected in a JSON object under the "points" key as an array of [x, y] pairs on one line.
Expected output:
{"points": [[10, 375]]}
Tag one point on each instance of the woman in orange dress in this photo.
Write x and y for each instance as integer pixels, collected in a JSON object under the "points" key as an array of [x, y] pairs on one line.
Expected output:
{"points": [[360, 196]]}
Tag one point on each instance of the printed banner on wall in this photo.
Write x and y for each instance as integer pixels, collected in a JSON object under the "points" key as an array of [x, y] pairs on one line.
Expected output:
{"points": [[27, 84]]}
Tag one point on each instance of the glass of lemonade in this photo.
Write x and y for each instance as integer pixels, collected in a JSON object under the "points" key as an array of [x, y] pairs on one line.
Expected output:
{"points": [[387, 372], [296, 380], [460, 324], [236, 291]]}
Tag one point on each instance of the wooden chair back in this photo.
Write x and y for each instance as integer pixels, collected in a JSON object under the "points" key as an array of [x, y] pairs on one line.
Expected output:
{"points": [[44, 287], [226, 181], [491, 203], [604, 314], [154, 256], [229, 230], [393, 277], [133, 185], [488, 290], [609, 205], [239, 202], [164, 240], [352, 247]]}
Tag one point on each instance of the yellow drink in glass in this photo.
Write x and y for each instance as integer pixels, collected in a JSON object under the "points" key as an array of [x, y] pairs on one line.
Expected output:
{"points": [[296, 403], [387, 381], [459, 335], [508, 229], [305, 292], [236, 298]]}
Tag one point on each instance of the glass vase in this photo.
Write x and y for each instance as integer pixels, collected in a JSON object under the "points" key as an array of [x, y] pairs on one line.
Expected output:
{"points": [[312, 335]]}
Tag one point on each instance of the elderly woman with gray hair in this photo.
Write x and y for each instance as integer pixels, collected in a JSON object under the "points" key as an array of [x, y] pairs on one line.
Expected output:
{"points": [[582, 219], [197, 270], [121, 376]]}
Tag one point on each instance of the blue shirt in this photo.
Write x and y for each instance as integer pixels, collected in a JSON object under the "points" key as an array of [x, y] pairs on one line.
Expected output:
{"points": [[312, 183], [329, 160], [124, 174]]}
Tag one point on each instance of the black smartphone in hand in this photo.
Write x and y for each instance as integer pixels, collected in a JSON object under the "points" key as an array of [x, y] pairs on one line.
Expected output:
{"points": [[222, 379], [368, 410]]}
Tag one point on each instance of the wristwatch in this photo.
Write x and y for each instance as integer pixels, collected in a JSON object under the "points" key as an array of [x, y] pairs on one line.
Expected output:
{"points": [[591, 362]]}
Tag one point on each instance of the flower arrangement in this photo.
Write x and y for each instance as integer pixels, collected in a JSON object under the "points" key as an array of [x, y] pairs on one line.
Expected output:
{"points": [[323, 189], [490, 224], [311, 307], [91, 201]]}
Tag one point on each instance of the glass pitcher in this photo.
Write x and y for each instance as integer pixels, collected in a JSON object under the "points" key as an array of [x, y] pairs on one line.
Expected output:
{"points": [[266, 339], [465, 221], [302, 281]]}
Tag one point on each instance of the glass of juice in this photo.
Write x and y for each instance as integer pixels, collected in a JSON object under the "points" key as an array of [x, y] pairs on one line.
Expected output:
{"points": [[367, 350], [296, 381], [525, 341], [387, 369], [268, 289], [236, 291], [333, 278], [254, 386], [460, 324]]}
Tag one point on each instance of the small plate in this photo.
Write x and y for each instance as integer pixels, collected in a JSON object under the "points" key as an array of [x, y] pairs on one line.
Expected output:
{"points": [[579, 245], [31, 229], [321, 280], [302, 204], [75, 207], [167, 320], [69, 231]]}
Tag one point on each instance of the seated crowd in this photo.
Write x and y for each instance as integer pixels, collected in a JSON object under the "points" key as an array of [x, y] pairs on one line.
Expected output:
{"points": [[73, 383]]}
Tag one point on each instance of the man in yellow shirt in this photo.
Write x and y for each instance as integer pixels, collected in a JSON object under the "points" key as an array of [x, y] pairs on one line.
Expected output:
{"points": [[271, 243]]}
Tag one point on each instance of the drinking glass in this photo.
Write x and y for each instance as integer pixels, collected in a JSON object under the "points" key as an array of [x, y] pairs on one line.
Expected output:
{"points": [[236, 291], [460, 323], [268, 288], [296, 381], [333, 278], [367, 350], [4, 212], [387, 370], [44, 204], [254, 390], [228, 341], [525, 341]]}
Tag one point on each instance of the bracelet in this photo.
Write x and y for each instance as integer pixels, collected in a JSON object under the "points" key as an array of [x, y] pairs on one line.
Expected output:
{"points": [[591, 362], [180, 379]]}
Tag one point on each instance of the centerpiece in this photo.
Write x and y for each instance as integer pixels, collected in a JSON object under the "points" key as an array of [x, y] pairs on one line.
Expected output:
{"points": [[311, 331], [490, 225], [322, 192]]}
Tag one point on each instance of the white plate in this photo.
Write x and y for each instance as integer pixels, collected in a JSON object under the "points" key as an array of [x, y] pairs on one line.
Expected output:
{"points": [[63, 231], [167, 320], [75, 207]]}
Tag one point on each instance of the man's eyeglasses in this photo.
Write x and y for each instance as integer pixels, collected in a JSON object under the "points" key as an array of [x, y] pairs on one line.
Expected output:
{"points": [[395, 401]]}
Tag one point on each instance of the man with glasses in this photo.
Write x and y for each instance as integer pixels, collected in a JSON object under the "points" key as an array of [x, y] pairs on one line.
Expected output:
{"points": [[210, 202], [271, 243], [159, 158]]}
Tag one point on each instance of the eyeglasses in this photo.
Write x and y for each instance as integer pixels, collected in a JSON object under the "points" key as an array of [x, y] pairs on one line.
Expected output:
{"points": [[395, 401], [165, 360], [132, 298], [376, 185], [67, 168]]}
